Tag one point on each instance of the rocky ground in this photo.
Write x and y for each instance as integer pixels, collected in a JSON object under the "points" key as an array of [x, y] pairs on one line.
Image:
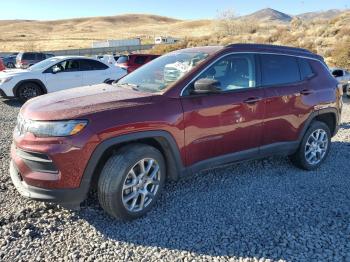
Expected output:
{"points": [[264, 210]]}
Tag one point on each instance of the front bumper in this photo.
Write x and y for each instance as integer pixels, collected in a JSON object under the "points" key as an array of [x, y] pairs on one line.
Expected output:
{"points": [[6, 91], [70, 198], [4, 95]]}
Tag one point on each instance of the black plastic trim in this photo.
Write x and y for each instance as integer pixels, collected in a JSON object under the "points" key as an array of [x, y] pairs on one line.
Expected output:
{"points": [[70, 198], [170, 148], [37, 161], [2, 94]]}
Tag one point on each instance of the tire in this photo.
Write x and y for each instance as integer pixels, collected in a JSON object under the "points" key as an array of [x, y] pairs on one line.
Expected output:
{"points": [[116, 174], [10, 65], [308, 161], [28, 90]]}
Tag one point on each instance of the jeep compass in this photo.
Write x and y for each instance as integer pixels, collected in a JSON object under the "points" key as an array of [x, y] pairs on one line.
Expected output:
{"points": [[188, 110]]}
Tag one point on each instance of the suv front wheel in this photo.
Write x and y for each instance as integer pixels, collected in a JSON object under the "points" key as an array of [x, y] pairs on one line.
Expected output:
{"points": [[131, 181], [314, 147]]}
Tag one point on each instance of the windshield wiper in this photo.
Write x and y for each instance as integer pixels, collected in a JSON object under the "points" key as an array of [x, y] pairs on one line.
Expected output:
{"points": [[133, 86]]}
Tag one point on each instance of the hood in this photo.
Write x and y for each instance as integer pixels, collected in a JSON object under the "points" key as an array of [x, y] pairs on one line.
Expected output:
{"points": [[13, 72], [78, 102]]}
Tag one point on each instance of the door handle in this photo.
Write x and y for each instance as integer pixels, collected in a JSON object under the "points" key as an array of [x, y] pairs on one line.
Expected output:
{"points": [[252, 100], [306, 92]]}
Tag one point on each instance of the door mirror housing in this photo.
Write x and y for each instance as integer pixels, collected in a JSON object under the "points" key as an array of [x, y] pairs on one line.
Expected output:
{"points": [[337, 73], [56, 70], [207, 86]]}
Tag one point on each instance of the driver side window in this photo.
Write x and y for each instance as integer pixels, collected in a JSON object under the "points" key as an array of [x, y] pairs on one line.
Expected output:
{"points": [[233, 72], [66, 66]]}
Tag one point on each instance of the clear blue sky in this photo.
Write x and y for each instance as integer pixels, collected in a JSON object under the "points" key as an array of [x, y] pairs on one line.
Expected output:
{"points": [[186, 9]]}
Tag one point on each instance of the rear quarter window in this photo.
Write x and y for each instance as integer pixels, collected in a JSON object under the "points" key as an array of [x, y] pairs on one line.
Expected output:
{"points": [[279, 70], [305, 68]]}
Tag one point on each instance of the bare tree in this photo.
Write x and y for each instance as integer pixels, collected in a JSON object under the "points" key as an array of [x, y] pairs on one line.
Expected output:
{"points": [[225, 22], [228, 24]]}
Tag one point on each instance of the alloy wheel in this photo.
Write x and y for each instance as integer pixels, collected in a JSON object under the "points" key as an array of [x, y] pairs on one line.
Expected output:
{"points": [[28, 92], [141, 185], [316, 146]]}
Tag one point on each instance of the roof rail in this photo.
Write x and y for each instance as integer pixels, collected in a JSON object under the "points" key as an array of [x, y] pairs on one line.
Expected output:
{"points": [[267, 46]]}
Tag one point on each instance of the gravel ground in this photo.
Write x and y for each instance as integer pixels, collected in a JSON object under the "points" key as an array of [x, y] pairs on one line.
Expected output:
{"points": [[264, 210]]}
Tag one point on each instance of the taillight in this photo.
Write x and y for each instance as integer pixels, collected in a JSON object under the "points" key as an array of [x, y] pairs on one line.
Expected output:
{"points": [[23, 62]]}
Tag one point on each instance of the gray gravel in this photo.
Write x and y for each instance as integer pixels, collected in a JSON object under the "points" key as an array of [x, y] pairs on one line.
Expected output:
{"points": [[264, 210]]}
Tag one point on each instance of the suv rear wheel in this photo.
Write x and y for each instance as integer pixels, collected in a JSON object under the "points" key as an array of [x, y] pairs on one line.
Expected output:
{"points": [[28, 90], [131, 181], [314, 147]]}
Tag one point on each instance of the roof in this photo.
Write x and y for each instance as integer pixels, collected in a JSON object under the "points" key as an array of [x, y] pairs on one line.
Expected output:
{"points": [[205, 49], [275, 49], [72, 57]]}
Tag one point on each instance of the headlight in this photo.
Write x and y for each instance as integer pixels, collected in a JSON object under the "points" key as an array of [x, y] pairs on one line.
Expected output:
{"points": [[4, 80], [50, 128]]}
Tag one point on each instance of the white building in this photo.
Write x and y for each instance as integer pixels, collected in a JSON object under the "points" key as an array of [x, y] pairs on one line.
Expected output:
{"points": [[116, 43], [165, 40]]}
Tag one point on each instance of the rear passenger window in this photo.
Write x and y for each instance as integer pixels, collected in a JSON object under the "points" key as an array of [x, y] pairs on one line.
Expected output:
{"points": [[305, 69], [279, 69], [28, 56], [40, 56], [90, 65], [140, 60]]}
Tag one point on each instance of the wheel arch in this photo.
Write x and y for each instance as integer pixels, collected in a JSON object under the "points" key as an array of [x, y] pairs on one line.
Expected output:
{"points": [[36, 81], [329, 116], [162, 140]]}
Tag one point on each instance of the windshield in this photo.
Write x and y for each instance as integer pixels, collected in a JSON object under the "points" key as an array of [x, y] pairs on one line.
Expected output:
{"points": [[44, 64], [160, 73]]}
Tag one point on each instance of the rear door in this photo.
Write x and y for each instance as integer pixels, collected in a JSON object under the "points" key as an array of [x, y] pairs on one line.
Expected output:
{"points": [[64, 75], [286, 93], [94, 72], [228, 122]]}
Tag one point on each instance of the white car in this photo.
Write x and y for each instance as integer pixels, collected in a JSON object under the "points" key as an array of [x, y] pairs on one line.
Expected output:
{"points": [[342, 76], [108, 59], [55, 74]]}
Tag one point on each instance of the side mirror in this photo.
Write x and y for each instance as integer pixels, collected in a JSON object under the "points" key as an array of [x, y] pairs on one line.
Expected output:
{"points": [[207, 86], [337, 73], [56, 70]]}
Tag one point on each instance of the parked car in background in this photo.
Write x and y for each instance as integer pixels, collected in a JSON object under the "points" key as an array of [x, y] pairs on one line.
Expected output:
{"points": [[109, 59], [10, 61], [27, 59], [134, 61], [214, 105], [342, 76], [55, 74], [2, 66], [347, 92]]}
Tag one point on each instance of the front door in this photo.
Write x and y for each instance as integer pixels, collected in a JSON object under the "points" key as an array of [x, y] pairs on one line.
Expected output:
{"points": [[229, 121], [64, 75]]}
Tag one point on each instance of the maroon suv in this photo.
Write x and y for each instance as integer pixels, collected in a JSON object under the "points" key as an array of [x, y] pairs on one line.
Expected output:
{"points": [[132, 62], [188, 110]]}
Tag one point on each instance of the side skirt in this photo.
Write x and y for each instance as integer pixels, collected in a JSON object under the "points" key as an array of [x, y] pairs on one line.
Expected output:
{"points": [[283, 148]]}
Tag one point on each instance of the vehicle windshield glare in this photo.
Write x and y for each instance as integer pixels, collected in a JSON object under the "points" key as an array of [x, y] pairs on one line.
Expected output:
{"points": [[160, 73], [44, 64]]}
